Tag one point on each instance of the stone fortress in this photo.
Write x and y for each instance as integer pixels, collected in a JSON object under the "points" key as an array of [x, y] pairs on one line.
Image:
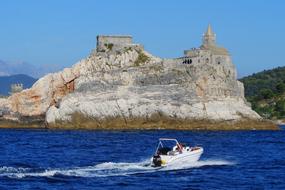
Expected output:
{"points": [[121, 79], [208, 53], [114, 42]]}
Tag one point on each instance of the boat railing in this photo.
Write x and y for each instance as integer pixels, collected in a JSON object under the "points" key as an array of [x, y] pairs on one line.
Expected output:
{"points": [[168, 139]]}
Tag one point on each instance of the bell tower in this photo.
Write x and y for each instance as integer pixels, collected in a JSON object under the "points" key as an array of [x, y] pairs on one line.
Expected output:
{"points": [[209, 38]]}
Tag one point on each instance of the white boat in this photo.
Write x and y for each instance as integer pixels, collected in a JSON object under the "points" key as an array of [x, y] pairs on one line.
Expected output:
{"points": [[179, 153]]}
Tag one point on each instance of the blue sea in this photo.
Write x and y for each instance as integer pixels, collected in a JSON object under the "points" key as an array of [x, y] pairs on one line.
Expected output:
{"points": [[50, 159]]}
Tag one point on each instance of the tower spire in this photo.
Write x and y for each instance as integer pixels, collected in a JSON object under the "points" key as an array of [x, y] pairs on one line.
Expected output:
{"points": [[209, 31], [209, 37]]}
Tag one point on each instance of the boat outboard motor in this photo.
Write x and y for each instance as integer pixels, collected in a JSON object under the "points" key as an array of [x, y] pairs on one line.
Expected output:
{"points": [[156, 160]]}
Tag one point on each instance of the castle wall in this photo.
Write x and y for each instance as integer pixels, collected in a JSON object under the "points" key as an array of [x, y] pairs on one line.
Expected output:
{"points": [[198, 56], [102, 41]]}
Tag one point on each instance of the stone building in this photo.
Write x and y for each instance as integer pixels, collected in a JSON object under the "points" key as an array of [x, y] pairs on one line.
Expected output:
{"points": [[114, 42], [212, 58], [208, 52], [15, 88]]}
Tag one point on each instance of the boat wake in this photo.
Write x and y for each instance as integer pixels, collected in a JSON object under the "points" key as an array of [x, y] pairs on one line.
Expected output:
{"points": [[106, 169]]}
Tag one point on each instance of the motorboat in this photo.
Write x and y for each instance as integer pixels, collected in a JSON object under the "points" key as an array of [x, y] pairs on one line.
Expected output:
{"points": [[166, 154]]}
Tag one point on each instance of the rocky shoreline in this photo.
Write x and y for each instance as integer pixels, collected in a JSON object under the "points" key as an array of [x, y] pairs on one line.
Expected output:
{"points": [[156, 122]]}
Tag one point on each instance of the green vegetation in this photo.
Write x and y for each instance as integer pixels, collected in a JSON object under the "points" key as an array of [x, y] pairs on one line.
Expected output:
{"points": [[266, 92], [109, 46], [142, 58], [126, 49]]}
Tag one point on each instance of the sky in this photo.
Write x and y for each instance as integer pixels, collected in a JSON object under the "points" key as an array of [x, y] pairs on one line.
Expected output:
{"points": [[61, 32]]}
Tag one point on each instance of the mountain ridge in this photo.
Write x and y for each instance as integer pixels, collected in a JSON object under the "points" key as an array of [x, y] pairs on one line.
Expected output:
{"points": [[35, 71]]}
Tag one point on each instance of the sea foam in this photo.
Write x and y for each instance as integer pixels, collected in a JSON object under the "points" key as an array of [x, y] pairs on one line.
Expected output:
{"points": [[106, 169]]}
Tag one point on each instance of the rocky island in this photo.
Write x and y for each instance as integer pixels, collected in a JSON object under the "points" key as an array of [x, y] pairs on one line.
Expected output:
{"points": [[122, 86]]}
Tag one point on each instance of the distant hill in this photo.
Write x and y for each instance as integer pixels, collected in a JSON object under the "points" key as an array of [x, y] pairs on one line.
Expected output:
{"points": [[36, 71], [6, 81], [266, 92]]}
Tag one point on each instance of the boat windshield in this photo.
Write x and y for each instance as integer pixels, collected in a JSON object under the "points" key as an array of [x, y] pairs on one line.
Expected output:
{"points": [[165, 145]]}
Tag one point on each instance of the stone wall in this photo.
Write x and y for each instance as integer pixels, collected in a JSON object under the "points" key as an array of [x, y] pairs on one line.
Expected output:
{"points": [[222, 63], [104, 41]]}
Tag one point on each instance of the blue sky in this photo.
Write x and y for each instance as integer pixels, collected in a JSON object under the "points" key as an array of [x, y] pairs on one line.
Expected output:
{"points": [[62, 32]]}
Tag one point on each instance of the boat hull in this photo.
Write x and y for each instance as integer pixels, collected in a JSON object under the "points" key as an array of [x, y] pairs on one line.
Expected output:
{"points": [[185, 156]]}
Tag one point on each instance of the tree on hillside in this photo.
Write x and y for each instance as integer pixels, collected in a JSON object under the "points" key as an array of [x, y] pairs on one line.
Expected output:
{"points": [[280, 108], [280, 87], [266, 94]]}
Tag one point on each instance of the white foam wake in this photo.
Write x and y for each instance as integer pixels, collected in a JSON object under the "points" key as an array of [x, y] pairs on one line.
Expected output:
{"points": [[104, 169]]}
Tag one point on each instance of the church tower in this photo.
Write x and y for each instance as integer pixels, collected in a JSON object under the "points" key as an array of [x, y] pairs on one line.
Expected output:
{"points": [[209, 38]]}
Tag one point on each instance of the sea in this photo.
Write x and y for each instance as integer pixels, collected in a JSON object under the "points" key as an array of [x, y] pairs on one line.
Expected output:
{"points": [[70, 159]]}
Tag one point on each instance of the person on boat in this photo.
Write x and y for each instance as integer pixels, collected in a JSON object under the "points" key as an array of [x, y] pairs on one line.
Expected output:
{"points": [[179, 147]]}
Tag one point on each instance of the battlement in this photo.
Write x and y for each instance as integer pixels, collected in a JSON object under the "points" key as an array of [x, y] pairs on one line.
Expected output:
{"points": [[15, 88]]}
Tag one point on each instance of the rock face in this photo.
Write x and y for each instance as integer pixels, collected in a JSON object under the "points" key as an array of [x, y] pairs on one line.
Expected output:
{"points": [[124, 80]]}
